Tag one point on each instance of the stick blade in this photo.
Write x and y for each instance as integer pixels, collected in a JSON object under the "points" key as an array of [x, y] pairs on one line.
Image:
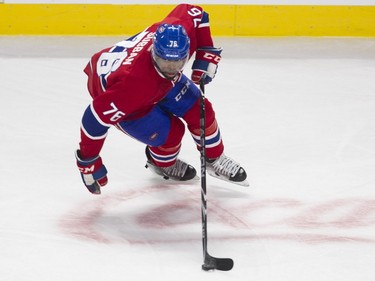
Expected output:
{"points": [[212, 263]]}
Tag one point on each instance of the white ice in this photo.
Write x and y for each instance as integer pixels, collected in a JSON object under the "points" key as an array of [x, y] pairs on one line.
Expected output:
{"points": [[297, 113]]}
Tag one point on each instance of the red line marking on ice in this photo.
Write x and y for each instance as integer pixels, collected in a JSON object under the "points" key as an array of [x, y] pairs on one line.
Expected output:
{"points": [[305, 222]]}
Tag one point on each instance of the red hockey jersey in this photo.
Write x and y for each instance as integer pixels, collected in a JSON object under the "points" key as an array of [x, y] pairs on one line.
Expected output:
{"points": [[123, 81]]}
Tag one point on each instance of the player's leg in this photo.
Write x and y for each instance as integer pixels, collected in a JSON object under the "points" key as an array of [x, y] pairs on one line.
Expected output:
{"points": [[162, 133], [183, 101]]}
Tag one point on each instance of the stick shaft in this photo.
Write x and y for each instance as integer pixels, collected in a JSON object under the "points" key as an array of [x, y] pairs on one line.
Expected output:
{"points": [[203, 168]]}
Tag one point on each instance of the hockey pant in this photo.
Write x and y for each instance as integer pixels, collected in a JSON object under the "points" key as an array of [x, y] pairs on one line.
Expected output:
{"points": [[162, 129]]}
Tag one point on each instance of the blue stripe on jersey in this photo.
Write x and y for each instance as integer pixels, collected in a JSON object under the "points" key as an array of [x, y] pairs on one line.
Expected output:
{"points": [[103, 81], [91, 126], [205, 18], [117, 49], [132, 37]]}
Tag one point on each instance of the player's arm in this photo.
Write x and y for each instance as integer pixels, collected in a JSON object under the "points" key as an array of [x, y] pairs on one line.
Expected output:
{"points": [[103, 112], [93, 133], [90, 165], [207, 56]]}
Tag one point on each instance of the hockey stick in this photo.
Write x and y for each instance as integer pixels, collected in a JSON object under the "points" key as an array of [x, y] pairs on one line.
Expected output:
{"points": [[96, 188], [209, 262]]}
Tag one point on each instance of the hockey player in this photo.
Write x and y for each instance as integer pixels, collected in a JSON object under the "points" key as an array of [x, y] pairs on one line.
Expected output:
{"points": [[138, 86]]}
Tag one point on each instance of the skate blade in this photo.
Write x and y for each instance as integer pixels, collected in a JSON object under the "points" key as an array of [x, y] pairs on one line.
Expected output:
{"points": [[241, 183]]}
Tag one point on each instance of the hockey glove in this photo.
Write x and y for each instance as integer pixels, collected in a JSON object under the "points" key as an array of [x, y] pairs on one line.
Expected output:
{"points": [[205, 64], [93, 172]]}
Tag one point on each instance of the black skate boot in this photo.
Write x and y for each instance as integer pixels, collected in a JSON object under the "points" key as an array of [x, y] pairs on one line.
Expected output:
{"points": [[227, 169], [179, 171]]}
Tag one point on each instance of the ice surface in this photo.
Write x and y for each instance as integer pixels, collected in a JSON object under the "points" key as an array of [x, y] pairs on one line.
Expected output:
{"points": [[298, 113]]}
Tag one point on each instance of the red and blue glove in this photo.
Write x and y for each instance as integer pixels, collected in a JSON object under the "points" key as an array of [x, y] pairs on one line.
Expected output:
{"points": [[205, 64], [93, 172]]}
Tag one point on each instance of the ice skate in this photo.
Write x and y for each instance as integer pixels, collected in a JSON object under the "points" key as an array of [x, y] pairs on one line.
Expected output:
{"points": [[227, 169], [179, 171]]}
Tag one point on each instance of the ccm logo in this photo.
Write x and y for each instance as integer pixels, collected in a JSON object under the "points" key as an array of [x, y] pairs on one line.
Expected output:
{"points": [[87, 170], [213, 57]]}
